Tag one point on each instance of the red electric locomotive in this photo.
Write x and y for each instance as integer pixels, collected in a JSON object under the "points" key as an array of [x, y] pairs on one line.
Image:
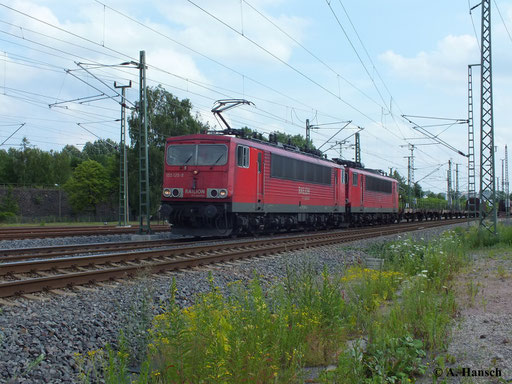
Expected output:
{"points": [[223, 185], [373, 197]]}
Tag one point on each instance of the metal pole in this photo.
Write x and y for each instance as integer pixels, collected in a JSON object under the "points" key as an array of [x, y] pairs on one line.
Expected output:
{"points": [[457, 187], [502, 175], [411, 148], [358, 148], [409, 178], [471, 149], [507, 192], [308, 133], [488, 211], [123, 161], [144, 198], [449, 182]]}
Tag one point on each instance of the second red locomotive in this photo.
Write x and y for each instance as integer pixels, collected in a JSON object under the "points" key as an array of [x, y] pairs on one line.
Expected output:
{"points": [[217, 185]]}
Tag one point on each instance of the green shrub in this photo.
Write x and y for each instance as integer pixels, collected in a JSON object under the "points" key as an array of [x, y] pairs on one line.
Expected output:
{"points": [[7, 217]]}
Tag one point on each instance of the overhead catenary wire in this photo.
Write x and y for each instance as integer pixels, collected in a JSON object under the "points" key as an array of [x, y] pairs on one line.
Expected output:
{"points": [[49, 47], [503, 20], [473, 23], [374, 68], [97, 43], [245, 76], [307, 77], [310, 52], [359, 58]]}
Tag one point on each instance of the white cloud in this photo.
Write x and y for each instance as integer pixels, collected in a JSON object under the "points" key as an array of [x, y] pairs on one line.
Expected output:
{"points": [[212, 38], [444, 64]]}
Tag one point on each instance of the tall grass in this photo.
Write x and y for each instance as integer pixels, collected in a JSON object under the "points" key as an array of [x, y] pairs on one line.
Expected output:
{"points": [[480, 238], [375, 326], [417, 321]]}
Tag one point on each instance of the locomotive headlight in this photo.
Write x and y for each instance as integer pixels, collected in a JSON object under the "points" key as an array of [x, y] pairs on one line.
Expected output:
{"points": [[195, 172], [223, 193], [167, 192]]}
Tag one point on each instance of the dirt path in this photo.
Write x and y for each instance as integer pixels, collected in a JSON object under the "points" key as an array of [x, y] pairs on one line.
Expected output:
{"points": [[481, 341]]}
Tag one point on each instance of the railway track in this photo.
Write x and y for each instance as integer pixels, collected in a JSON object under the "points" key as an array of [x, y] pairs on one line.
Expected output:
{"points": [[20, 233], [20, 254], [52, 273]]}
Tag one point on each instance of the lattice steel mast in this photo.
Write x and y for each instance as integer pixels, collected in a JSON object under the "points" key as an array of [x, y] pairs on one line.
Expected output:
{"points": [[449, 184], [488, 213], [410, 173], [507, 192], [471, 148], [502, 178], [123, 161], [144, 202], [409, 177], [358, 148], [457, 206]]}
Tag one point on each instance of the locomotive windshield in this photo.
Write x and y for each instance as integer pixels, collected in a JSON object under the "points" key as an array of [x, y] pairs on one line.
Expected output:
{"points": [[197, 154]]}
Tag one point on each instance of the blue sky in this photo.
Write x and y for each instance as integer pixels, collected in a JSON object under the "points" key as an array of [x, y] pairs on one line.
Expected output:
{"points": [[413, 61]]}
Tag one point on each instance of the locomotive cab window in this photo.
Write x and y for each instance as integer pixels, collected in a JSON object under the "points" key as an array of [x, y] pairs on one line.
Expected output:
{"points": [[212, 154], [197, 154], [242, 156], [354, 179], [182, 154]]}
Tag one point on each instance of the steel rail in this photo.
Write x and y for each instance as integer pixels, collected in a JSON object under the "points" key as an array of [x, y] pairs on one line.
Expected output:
{"points": [[16, 254], [31, 232]]}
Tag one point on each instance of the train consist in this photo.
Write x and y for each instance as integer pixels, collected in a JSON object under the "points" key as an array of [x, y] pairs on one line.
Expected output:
{"points": [[220, 185]]}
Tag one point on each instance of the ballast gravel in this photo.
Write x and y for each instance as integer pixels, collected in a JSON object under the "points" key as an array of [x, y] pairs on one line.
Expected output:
{"points": [[55, 327]]}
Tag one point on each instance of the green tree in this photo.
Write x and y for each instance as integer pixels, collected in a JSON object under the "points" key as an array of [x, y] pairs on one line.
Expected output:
{"points": [[62, 167], [4, 162], [418, 191], [74, 154], [105, 152], [297, 140], [403, 188], [28, 166], [101, 151], [39, 167], [167, 116], [88, 186]]}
